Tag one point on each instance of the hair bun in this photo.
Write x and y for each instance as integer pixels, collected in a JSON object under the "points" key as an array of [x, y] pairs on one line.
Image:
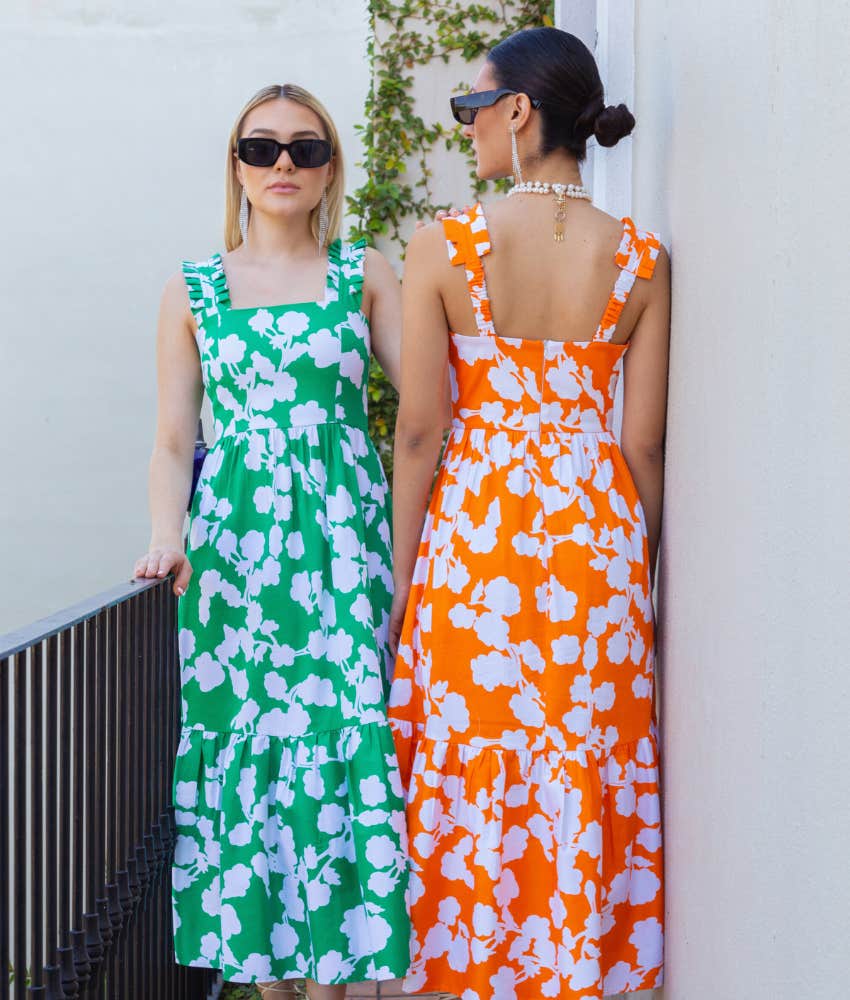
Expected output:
{"points": [[612, 124]]}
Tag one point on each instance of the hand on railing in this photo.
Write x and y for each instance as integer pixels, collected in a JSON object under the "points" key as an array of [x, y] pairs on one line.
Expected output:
{"points": [[159, 561]]}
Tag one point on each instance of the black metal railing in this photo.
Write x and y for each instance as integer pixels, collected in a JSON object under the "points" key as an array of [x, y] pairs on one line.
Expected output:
{"points": [[89, 717]]}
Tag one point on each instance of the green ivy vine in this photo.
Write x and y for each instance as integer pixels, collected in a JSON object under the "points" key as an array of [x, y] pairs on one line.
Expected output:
{"points": [[405, 35]]}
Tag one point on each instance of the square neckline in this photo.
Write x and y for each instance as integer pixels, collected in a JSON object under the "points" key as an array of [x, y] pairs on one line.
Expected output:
{"points": [[329, 286]]}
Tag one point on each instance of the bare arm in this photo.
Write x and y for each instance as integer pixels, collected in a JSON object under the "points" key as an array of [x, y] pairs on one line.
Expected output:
{"points": [[382, 305], [179, 392], [645, 401], [421, 413]]}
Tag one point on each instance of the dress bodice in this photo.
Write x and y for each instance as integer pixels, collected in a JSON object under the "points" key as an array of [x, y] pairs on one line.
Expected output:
{"points": [[546, 386], [284, 366], [541, 386]]}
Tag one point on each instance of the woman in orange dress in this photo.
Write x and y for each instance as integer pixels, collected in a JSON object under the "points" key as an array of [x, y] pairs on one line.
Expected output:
{"points": [[522, 702]]}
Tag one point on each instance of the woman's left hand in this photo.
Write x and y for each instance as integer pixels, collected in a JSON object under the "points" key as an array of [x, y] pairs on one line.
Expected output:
{"points": [[440, 214]]}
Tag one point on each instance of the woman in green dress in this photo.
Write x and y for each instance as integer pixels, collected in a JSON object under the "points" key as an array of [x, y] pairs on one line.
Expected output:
{"points": [[290, 854]]}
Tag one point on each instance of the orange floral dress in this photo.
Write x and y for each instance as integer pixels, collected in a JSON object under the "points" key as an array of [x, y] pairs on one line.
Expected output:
{"points": [[522, 702]]}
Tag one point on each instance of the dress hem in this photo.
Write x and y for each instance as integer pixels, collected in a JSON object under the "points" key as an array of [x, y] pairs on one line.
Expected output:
{"points": [[431, 988]]}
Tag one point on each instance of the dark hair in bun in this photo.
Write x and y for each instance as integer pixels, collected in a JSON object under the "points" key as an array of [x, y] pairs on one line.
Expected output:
{"points": [[612, 124], [558, 69]]}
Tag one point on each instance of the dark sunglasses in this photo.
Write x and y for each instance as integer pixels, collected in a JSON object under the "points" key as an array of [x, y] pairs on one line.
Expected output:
{"points": [[466, 107], [263, 152]]}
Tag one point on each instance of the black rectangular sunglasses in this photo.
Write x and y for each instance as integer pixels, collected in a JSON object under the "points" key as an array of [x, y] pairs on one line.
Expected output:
{"points": [[466, 106], [260, 151]]}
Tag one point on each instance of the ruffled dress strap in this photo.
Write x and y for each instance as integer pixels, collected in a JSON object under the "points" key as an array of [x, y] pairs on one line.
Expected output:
{"points": [[468, 242], [636, 257], [209, 295], [346, 270]]}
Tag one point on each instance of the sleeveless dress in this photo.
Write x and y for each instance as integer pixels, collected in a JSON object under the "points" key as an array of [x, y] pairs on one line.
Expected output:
{"points": [[290, 857], [522, 702]]}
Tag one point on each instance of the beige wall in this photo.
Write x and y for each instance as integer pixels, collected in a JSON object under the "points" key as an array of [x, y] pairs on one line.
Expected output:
{"points": [[433, 84], [116, 119], [741, 160]]}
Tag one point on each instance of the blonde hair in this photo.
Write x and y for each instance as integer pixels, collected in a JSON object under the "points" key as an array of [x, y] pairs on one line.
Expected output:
{"points": [[233, 189]]}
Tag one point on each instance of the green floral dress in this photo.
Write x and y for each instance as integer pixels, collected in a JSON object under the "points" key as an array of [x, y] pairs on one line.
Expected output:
{"points": [[291, 856]]}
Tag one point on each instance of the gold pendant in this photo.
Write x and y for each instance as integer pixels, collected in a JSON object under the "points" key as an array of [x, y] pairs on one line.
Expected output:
{"points": [[560, 216]]}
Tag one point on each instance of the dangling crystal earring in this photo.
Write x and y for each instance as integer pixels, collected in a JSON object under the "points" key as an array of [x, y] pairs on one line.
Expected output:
{"points": [[515, 157], [243, 216], [323, 220]]}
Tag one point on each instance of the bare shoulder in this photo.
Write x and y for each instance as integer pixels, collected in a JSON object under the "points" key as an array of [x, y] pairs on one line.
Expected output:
{"points": [[653, 295], [499, 212], [174, 304], [607, 224], [427, 248], [376, 268], [175, 292], [662, 265], [659, 284]]}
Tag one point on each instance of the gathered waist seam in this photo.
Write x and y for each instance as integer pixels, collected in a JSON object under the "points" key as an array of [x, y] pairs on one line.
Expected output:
{"points": [[531, 431], [287, 428]]}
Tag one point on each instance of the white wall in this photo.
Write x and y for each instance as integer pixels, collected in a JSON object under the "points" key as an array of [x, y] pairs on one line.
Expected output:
{"points": [[116, 118], [741, 158]]}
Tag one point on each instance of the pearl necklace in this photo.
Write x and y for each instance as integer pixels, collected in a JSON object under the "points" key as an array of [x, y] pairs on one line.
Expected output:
{"points": [[544, 187], [561, 193]]}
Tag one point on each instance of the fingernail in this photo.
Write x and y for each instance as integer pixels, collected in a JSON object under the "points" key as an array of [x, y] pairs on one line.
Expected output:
{"points": [[180, 591]]}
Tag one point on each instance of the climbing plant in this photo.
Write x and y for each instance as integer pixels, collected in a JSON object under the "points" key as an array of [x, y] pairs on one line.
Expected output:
{"points": [[404, 37]]}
